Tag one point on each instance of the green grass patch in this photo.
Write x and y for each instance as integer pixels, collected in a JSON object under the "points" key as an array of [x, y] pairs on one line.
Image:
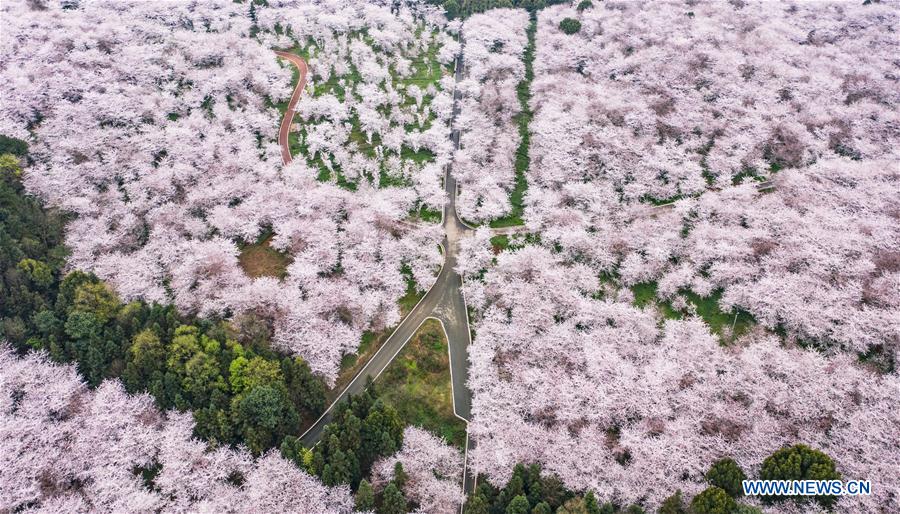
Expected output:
{"points": [[420, 157], [746, 173], [417, 384], [504, 242], [720, 322], [261, 260], [294, 144], [499, 243], [661, 201], [645, 294], [523, 119], [358, 137], [427, 215], [413, 294]]}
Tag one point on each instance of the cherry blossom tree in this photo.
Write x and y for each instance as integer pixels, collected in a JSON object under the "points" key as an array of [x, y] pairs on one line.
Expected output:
{"points": [[682, 109], [434, 471], [640, 408]]}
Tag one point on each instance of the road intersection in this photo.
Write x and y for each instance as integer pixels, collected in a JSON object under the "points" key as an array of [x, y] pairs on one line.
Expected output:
{"points": [[444, 300]]}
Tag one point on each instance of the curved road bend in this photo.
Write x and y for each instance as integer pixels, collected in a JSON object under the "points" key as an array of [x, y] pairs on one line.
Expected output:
{"points": [[285, 129], [443, 301]]}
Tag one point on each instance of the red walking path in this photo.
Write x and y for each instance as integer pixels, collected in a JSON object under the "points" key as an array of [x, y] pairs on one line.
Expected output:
{"points": [[285, 129]]}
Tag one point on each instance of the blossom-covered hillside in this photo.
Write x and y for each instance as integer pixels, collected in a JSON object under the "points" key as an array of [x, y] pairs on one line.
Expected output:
{"points": [[494, 44], [439, 256], [659, 102], [154, 129], [379, 103]]}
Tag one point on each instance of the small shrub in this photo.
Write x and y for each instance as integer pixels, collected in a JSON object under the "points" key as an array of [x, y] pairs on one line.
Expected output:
{"points": [[585, 4], [728, 476], [799, 462], [713, 501], [570, 26]]}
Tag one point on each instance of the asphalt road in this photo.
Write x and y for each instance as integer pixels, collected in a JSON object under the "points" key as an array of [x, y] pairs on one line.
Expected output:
{"points": [[444, 301]]}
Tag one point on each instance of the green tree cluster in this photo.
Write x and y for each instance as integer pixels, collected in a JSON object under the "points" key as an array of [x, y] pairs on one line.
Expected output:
{"points": [[800, 462], [713, 500], [725, 477], [392, 500], [238, 394], [465, 8], [728, 476], [530, 492], [570, 26], [32, 254], [11, 145], [363, 430]]}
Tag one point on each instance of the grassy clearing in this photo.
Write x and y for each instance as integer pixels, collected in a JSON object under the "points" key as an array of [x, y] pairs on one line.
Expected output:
{"points": [[427, 68], [372, 341], [645, 294], [417, 384], [499, 243], [523, 91], [261, 260], [513, 242], [720, 323], [423, 213]]}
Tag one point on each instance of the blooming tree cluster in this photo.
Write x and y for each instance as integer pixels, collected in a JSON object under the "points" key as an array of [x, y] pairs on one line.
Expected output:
{"points": [[660, 99], [152, 128], [600, 393], [694, 104], [380, 102], [484, 166], [434, 471], [819, 257], [70, 449]]}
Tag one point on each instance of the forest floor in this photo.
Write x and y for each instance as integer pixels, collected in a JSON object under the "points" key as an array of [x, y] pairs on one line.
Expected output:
{"points": [[417, 384], [261, 260]]}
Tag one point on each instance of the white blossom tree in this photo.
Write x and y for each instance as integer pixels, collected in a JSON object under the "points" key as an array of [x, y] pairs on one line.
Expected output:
{"points": [[434, 471]]}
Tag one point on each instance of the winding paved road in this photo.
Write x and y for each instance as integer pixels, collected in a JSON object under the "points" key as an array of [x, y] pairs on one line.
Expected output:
{"points": [[444, 301], [288, 118]]}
